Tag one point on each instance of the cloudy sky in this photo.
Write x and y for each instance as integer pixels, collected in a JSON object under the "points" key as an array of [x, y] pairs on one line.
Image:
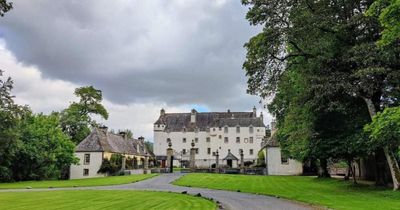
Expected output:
{"points": [[143, 55]]}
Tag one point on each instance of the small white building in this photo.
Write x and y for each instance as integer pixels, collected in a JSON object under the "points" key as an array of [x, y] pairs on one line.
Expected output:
{"points": [[276, 162], [211, 132], [100, 145]]}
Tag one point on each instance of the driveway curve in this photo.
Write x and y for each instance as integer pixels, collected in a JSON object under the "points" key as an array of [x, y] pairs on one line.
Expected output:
{"points": [[228, 199]]}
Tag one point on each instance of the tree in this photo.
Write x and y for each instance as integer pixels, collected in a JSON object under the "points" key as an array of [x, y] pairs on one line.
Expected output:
{"points": [[331, 44], [9, 137], [384, 131], [76, 119], [44, 151], [5, 7]]}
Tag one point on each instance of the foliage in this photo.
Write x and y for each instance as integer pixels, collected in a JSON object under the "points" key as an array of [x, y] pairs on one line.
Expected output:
{"points": [[76, 119], [111, 166], [319, 59], [44, 151], [388, 12], [385, 128], [128, 133], [5, 7], [261, 159], [331, 193], [149, 146]]}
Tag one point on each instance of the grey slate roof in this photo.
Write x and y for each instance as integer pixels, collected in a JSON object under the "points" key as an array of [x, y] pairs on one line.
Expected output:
{"points": [[230, 156], [205, 120], [102, 141]]}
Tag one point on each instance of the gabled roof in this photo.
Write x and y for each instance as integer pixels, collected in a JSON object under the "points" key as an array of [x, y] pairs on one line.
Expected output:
{"points": [[230, 156], [102, 141], [206, 120]]}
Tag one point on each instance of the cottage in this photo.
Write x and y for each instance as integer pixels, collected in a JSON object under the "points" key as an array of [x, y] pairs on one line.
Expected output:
{"points": [[100, 144]]}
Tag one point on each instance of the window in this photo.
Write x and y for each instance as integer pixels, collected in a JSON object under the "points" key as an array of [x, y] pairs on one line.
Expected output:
{"points": [[237, 129], [251, 140], [246, 140], [240, 151], [220, 128], [208, 150], [184, 140], [197, 150], [86, 159], [214, 154], [220, 137], [226, 140], [226, 129], [184, 130], [184, 152], [284, 160], [251, 151], [85, 172], [208, 139], [208, 129], [196, 140], [251, 129], [213, 129], [168, 140], [237, 139]]}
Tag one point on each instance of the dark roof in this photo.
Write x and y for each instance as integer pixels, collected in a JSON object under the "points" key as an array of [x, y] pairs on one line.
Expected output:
{"points": [[102, 141], [204, 120], [272, 141], [230, 156]]}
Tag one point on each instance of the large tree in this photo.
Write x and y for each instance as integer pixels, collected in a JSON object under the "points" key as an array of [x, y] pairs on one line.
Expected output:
{"points": [[334, 45], [5, 7], [76, 120]]}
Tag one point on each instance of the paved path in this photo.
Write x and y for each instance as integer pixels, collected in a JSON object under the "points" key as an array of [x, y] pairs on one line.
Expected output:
{"points": [[229, 200]]}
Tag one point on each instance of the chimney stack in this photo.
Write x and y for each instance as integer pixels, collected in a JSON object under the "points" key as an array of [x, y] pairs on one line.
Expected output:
{"points": [[123, 134], [141, 138], [162, 112], [103, 129]]}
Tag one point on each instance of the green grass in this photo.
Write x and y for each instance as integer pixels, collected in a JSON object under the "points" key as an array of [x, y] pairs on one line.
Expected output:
{"points": [[101, 181], [331, 193], [102, 199]]}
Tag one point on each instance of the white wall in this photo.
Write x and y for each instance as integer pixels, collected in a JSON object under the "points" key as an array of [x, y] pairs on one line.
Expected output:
{"points": [[96, 158], [275, 166], [203, 159]]}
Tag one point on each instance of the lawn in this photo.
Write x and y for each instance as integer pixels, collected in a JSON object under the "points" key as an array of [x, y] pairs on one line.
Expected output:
{"points": [[101, 181], [102, 199], [331, 193]]}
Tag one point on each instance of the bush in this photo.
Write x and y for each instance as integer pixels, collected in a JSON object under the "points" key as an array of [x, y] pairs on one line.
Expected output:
{"points": [[111, 166]]}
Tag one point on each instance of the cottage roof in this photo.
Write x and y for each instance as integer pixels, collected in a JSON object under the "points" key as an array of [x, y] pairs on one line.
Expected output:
{"points": [[206, 120], [230, 156], [102, 141]]}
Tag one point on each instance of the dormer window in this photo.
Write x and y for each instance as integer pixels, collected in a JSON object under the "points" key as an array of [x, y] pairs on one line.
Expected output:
{"points": [[251, 129], [196, 129], [226, 129], [208, 129], [184, 129]]}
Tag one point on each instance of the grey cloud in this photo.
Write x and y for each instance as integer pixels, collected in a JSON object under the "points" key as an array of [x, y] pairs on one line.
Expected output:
{"points": [[178, 52]]}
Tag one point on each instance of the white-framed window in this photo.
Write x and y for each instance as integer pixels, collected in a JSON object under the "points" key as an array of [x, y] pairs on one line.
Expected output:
{"points": [[184, 140], [197, 151], [226, 139], [86, 159], [196, 140], [208, 139], [208, 150], [183, 151], [251, 151], [226, 129], [220, 137], [251, 129], [237, 129], [85, 172], [251, 140], [238, 140]]}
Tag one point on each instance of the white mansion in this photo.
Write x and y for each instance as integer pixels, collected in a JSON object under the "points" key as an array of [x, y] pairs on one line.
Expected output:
{"points": [[225, 132]]}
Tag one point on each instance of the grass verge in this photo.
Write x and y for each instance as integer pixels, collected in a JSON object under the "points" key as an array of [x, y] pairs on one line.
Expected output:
{"points": [[101, 181], [331, 193]]}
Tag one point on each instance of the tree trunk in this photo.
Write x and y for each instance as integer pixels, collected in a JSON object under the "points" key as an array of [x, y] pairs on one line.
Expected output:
{"points": [[394, 167], [392, 162], [323, 168]]}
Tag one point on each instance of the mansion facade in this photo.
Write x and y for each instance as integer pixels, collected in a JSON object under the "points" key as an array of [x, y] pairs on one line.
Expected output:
{"points": [[228, 133]]}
